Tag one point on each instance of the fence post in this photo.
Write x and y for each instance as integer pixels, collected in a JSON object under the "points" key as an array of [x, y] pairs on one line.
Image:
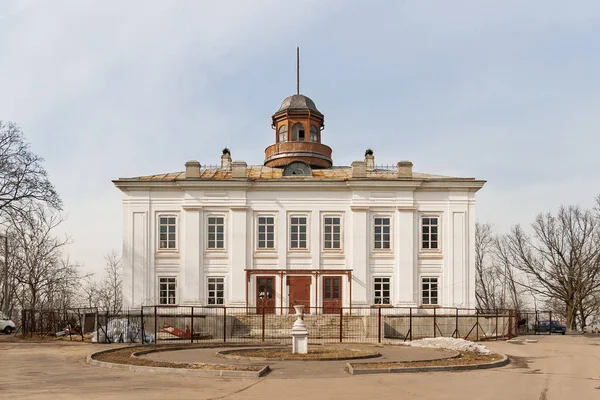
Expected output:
{"points": [[410, 322], [155, 326], [550, 323], [341, 323], [263, 323], [97, 326], [379, 324], [496, 324], [106, 339], [434, 322], [510, 321], [477, 326], [192, 326], [142, 323], [224, 324], [456, 330]]}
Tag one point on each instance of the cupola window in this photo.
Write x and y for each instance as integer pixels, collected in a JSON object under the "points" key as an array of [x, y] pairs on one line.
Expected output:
{"points": [[298, 132], [314, 134], [283, 133]]}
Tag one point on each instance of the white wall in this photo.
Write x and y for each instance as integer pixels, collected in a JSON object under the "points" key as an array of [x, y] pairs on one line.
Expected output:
{"points": [[405, 263]]}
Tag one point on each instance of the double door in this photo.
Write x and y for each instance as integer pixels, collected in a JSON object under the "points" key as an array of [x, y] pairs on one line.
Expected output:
{"points": [[265, 295], [332, 294]]}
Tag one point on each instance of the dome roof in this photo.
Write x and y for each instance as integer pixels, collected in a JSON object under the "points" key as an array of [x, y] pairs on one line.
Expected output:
{"points": [[298, 102]]}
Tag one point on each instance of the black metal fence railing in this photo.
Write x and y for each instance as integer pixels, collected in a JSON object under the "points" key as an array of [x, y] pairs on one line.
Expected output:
{"points": [[197, 324], [67, 321], [273, 324], [538, 322]]}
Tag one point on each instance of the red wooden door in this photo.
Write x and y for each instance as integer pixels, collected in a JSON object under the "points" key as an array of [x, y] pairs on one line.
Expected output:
{"points": [[299, 292], [332, 294], [265, 294]]}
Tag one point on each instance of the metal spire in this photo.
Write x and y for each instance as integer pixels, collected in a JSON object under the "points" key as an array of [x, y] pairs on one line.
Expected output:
{"points": [[298, 70]]}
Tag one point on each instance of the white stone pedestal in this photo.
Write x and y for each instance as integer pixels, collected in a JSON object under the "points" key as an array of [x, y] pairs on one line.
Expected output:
{"points": [[299, 333]]}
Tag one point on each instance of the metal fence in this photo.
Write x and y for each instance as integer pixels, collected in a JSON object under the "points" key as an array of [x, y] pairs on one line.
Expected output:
{"points": [[66, 321], [163, 324], [197, 324], [530, 322]]}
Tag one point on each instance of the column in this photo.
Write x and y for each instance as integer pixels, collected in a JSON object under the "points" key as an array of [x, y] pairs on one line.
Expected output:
{"points": [[191, 267], [405, 275], [238, 248], [358, 239]]}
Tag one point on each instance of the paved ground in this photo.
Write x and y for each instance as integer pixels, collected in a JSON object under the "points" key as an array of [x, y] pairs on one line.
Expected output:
{"points": [[558, 367]]}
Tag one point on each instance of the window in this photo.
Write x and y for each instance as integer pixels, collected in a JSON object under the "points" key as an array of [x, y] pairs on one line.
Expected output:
{"points": [[266, 232], [382, 233], [429, 291], [332, 233], [167, 226], [298, 132], [381, 289], [314, 134], [283, 133], [216, 232], [429, 230], [216, 290], [298, 233], [167, 290]]}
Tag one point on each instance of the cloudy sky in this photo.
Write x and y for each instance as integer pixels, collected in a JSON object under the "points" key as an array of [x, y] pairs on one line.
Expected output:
{"points": [[502, 90]]}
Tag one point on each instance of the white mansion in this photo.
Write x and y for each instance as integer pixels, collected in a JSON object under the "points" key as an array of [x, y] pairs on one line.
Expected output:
{"points": [[298, 230]]}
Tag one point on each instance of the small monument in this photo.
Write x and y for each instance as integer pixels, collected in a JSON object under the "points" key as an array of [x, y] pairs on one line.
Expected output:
{"points": [[299, 333]]}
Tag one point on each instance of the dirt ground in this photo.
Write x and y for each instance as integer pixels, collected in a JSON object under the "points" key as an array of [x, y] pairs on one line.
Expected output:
{"points": [[557, 367]]}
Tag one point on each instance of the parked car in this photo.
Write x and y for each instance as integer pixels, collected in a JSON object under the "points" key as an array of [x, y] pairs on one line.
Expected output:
{"points": [[550, 326], [6, 325], [594, 327]]}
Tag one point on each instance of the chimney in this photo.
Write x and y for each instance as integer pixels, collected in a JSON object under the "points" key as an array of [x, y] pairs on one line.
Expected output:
{"points": [[359, 169], [226, 160], [405, 169], [370, 160], [192, 169], [239, 169]]}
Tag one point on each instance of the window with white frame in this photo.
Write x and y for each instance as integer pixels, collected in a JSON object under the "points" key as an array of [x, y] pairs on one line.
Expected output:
{"points": [[314, 134], [429, 291], [382, 233], [298, 232], [216, 232], [429, 233], [216, 290], [167, 290], [167, 232], [332, 232], [381, 290], [266, 232], [283, 132]]}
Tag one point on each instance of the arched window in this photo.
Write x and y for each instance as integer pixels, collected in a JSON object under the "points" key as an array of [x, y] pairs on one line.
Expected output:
{"points": [[314, 134], [283, 133], [298, 132]]}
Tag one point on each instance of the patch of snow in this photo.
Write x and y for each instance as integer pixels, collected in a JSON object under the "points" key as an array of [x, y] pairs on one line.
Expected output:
{"points": [[451, 344]]}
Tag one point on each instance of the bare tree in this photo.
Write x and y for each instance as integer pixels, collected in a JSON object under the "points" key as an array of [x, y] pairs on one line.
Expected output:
{"points": [[486, 282], [561, 257], [44, 278], [497, 287], [111, 288], [23, 179]]}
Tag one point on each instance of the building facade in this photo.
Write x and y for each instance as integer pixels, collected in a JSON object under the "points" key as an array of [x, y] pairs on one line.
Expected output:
{"points": [[298, 230]]}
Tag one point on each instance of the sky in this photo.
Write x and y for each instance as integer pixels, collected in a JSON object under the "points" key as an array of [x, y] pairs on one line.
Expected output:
{"points": [[502, 90]]}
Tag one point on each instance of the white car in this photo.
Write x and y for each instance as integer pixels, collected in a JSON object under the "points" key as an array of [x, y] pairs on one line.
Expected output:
{"points": [[6, 325], [594, 327]]}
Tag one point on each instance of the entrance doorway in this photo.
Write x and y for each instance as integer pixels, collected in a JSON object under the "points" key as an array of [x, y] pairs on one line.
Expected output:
{"points": [[299, 292], [265, 294], [332, 294]]}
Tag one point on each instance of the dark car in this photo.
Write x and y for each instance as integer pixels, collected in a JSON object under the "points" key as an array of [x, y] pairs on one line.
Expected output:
{"points": [[550, 326]]}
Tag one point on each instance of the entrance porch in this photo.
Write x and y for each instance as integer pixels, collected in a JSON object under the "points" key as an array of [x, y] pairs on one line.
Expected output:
{"points": [[276, 291]]}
